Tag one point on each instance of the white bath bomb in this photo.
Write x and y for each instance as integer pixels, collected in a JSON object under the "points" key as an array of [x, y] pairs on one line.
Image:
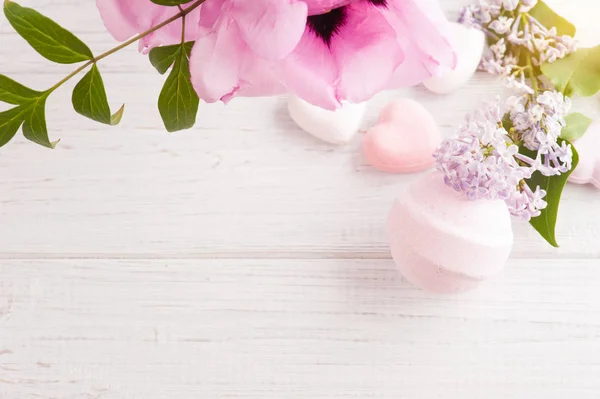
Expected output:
{"points": [[469, 44], [335, 127], [444, 243]]}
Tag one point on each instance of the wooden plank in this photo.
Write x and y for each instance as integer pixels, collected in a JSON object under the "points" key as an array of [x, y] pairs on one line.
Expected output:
{"points": [[256, 185], [245, 182], [294, 329]]}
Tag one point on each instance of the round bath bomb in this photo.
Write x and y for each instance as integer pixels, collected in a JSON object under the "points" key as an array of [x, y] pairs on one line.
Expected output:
{"points": [[404, 139], [588, 148], [469, 44], [335, 127], [444, 243]]}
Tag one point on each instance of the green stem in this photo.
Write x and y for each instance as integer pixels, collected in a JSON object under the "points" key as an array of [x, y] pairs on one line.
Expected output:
{"points": [[532, 76], [182, 25], [534, 79], [181, 14]]}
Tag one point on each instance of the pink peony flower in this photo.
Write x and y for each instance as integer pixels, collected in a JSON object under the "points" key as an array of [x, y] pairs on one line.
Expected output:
{"points": [[325, 51], [126, 18], [240, 42]]}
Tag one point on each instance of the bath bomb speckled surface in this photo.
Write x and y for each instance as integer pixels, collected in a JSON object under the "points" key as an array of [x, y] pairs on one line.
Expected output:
{"points": [[444, 243], [588, 148]]}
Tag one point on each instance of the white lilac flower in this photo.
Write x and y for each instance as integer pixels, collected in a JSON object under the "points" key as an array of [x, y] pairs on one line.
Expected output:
{"points": [[511, 59], [499, 49], [510, 5], [555, 103], [539, 126], [501, 25], [493, 66], [513, 31], [467, 18], [536, 112], [519, 84], [527, 5], [541, 44], [515, 104]]}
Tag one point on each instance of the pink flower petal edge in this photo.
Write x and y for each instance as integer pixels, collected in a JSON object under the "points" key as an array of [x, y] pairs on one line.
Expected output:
{"points": [[373, 47], [324, 51]]}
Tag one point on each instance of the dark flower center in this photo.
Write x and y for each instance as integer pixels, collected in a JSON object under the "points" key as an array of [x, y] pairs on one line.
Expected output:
{"points": [[327, 25]]}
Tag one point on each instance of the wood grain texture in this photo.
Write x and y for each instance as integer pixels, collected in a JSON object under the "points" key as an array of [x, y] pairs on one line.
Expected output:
{"points": [[245, 259], [246, 182], [295, 329]]}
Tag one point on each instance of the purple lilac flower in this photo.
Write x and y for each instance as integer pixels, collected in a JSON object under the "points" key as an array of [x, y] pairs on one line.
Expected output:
{"points": [[479, 159], [512, 30], [483, 160], [538, 123], [525, 203]]}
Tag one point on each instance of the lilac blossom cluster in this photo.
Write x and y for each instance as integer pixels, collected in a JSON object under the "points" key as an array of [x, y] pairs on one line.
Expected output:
{"points": [[518, 41], [483, 158], [537, 125]]}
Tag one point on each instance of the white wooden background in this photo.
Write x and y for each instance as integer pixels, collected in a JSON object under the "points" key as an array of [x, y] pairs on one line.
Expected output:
{"points": [[245, 259]]}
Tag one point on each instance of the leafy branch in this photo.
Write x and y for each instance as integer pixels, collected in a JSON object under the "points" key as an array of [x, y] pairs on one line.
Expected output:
{"points": [[89, 98], [578, 72], [178, 102]]}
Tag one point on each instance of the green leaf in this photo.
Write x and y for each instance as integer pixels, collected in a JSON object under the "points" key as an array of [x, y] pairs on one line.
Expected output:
{"points": [[34, 128], [10, 122], [578, 72], [577, 125], [47, 37], [89, 99], [12, 92], [115, 119], [32, 116], [549, 18], [162, 58], [171, 2], [178, 101], [545, 224]]}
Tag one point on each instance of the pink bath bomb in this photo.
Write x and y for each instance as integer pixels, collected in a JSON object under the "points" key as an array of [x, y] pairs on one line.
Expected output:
{"points": [[444, 243], [588, 148], [404, 139]]}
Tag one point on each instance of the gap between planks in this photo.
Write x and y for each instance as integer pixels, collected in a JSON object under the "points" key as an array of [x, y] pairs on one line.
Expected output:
{"points": [[256, 255], [267, 255]]}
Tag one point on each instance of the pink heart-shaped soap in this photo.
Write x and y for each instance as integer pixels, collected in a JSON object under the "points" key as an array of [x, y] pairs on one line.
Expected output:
{"points": [[404, 140], [588, 147]]}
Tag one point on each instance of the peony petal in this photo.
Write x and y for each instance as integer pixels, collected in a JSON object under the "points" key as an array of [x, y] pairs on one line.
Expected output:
{"points": [[424, 23], [271, 28], [367, 53], [416, 67], [316, 7], [257, 79], [126, 18], [171, 34], [265, 47], [119, 16], [251, 75], [310, 72], [216, 62], [212, 12]]}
